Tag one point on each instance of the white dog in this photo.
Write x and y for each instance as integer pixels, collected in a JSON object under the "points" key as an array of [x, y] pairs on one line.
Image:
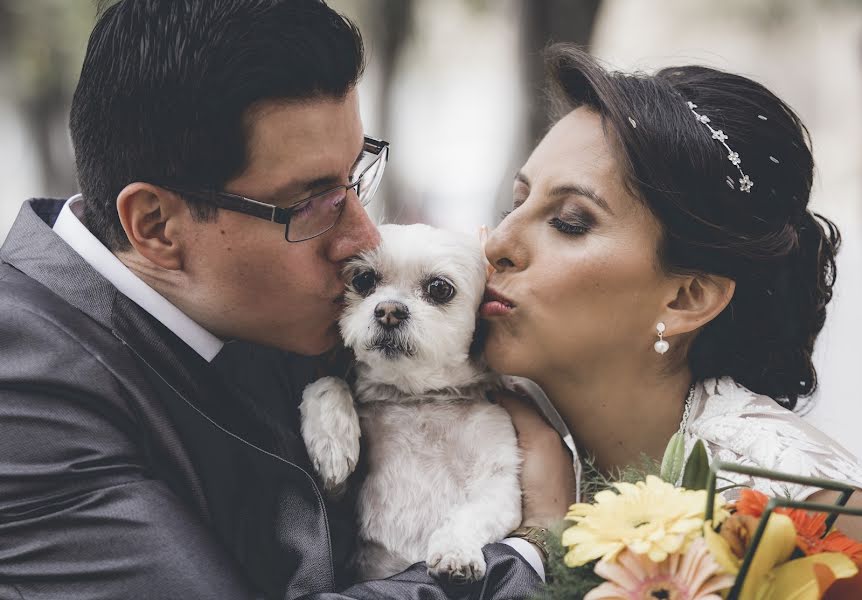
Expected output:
{"points": [[443, 461]]}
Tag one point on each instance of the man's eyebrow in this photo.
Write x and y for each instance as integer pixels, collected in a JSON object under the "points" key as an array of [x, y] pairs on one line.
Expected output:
{"points": [[295, 191], [571, 189]]}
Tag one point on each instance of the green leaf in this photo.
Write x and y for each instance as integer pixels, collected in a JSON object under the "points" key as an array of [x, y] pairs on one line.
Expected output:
{"points": [[566, 583], [696, 473], [674, 457]]}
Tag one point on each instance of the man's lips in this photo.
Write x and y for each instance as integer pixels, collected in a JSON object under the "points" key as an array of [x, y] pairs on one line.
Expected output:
{"points": [[340, 299], [495, 304]]}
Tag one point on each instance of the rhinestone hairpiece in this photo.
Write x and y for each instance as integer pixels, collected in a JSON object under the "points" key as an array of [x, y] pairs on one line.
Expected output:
{"points": [[745, 183]]}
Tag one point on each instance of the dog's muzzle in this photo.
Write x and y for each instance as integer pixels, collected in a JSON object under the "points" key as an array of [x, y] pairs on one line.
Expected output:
{"points": [[391, 336]]}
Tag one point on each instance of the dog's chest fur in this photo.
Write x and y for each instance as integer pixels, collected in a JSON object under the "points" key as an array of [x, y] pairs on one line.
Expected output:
{"points": [[424, 458]]}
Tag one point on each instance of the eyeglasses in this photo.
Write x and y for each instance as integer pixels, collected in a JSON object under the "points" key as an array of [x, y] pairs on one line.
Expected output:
{"points": [[317, 214]]}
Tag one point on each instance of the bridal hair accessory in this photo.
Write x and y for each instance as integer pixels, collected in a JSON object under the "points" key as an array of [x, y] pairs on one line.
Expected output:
{"points": [[745, 183], [661, 346]]}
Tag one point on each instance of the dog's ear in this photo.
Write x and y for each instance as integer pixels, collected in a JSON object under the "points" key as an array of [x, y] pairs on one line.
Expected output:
{"points": [[477, 346]]}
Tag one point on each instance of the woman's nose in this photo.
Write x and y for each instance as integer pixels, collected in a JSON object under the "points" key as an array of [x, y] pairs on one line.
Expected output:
{"points": [[502, 247]]}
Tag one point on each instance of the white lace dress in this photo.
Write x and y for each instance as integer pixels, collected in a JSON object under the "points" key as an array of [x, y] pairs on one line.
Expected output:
{"points": [[739, 426]]}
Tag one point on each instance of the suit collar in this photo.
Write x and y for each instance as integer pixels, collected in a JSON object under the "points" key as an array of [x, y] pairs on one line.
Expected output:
{"points": [[33, 248], [264, 379], [70, 228]]}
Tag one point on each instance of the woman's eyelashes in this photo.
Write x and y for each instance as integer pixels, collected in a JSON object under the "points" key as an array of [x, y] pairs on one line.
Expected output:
{"points": [[568, 228], [569, 223], [572, 222]]}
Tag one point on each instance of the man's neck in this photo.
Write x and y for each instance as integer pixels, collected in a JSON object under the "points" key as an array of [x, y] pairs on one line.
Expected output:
{"points": [[164, 281], [618, 414]]}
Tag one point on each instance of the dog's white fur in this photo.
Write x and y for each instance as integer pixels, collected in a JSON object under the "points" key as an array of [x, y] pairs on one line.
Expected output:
{"points": [[443, 462]]}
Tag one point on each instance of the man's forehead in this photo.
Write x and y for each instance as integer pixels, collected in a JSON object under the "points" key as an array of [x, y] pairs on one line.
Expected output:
{"points": [[297, 145], [305, 126]]}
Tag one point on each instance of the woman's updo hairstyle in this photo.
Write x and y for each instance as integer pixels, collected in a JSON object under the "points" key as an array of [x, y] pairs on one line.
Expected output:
{"points": [[780, 254]]}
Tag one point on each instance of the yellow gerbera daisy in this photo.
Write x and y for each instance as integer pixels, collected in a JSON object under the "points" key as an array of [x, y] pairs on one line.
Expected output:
{"points": [[652, 518]]}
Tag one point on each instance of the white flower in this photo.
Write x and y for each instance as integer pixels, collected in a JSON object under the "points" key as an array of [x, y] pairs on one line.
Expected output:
{"points": [[734, 158], [719, 135], [745, 184]]}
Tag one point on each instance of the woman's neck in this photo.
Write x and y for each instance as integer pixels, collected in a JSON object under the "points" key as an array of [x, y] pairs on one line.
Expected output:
{"points": [[619, 417]]}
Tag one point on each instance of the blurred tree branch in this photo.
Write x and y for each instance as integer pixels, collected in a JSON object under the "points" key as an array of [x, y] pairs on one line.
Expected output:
{"points": [[43, 46], [545, 22]]}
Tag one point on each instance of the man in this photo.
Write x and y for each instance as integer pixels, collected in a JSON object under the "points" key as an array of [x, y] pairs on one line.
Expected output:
{"points": [[153, 329]]}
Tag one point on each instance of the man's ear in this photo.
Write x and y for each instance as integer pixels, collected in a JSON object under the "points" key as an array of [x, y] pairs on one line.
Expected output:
{"points": [[154, 219], [698, 300]]}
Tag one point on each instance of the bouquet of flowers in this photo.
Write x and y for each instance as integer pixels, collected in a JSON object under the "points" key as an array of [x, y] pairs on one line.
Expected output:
{"points": [[657, 539]]}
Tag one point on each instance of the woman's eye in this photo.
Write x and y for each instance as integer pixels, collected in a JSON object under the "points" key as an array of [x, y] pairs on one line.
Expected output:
{"points": [[440, 290], [364, 283], [568, 228]]}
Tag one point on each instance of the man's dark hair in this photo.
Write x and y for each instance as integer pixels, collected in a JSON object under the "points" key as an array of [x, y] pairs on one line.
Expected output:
{"points": [[166, 87]]}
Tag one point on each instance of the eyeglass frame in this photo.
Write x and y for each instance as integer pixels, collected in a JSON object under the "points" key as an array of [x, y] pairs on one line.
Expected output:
{"points": [[281, 215]]}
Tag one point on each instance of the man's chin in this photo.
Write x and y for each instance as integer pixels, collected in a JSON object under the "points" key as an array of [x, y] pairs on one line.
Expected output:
{"points": [[321, 344], [307, 343]]}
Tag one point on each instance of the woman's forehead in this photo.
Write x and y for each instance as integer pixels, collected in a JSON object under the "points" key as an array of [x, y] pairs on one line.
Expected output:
{"points": [[577, 144], [578, 152]]}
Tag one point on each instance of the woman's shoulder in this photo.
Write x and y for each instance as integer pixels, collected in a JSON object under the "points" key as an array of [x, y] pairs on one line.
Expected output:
{"points": [[741, 426]]}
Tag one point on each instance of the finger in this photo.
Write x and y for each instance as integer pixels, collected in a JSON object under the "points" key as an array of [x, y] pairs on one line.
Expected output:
{"points": [[483, 239]]}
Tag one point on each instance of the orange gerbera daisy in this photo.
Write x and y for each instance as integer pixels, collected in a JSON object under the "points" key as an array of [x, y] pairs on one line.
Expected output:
{"points": [[809, 527]]}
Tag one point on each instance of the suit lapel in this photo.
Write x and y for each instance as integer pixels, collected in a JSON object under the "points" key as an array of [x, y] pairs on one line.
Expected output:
{"points": [[252, 476]]}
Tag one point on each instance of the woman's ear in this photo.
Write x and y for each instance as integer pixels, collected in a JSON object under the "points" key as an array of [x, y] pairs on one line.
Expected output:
{"points": [[699, 299], [153, 220]]}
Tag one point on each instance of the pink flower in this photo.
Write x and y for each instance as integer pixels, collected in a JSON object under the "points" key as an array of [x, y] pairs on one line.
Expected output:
{"points": [[692, 575]]}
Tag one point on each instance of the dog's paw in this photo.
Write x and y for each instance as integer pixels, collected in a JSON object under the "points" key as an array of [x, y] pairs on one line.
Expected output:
{"points": [[454, 560], [330, 429]]}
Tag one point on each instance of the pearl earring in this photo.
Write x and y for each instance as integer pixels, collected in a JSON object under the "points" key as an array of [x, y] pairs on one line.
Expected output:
{"points": [[661, 346]]}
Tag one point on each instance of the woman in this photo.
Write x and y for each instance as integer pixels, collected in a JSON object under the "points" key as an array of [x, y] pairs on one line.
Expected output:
{"points": [[660, 271]]}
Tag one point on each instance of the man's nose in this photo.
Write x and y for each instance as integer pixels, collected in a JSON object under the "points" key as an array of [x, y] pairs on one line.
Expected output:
{"points": [[390, 314], [356, 233]]}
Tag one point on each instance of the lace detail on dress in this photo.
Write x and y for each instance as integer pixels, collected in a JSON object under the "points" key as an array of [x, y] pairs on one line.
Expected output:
{"points": [[737, 425]]}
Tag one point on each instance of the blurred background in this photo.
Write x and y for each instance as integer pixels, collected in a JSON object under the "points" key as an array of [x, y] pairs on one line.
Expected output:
{"points": [[455, 85]]}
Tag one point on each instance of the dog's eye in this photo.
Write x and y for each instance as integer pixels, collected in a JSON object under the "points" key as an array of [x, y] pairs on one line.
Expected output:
{"points": [[440, 290], [364, 282]]}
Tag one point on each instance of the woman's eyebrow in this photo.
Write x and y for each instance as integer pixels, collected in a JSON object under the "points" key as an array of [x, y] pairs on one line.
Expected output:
{"points": [[571, 189], [575, 189]]}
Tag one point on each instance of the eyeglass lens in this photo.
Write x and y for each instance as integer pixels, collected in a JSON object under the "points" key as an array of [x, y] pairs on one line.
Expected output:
{"points": [[320, 213]]}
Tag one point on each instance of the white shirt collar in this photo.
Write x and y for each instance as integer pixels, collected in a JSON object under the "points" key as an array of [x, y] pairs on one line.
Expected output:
{"points": [[70, 228]]}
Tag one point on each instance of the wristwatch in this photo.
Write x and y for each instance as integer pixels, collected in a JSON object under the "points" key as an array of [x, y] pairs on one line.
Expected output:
{"points": [[538, 536]]}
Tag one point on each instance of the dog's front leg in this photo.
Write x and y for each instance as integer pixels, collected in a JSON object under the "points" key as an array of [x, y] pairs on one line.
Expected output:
{"points": [[493, 509], [330, 429]]}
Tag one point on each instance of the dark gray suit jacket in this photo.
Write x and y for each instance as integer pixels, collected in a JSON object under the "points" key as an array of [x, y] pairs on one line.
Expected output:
{"points": [[132, 468]]}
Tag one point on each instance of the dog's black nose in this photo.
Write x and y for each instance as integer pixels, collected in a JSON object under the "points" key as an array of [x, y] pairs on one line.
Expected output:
{"points": [[389, 314]]}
